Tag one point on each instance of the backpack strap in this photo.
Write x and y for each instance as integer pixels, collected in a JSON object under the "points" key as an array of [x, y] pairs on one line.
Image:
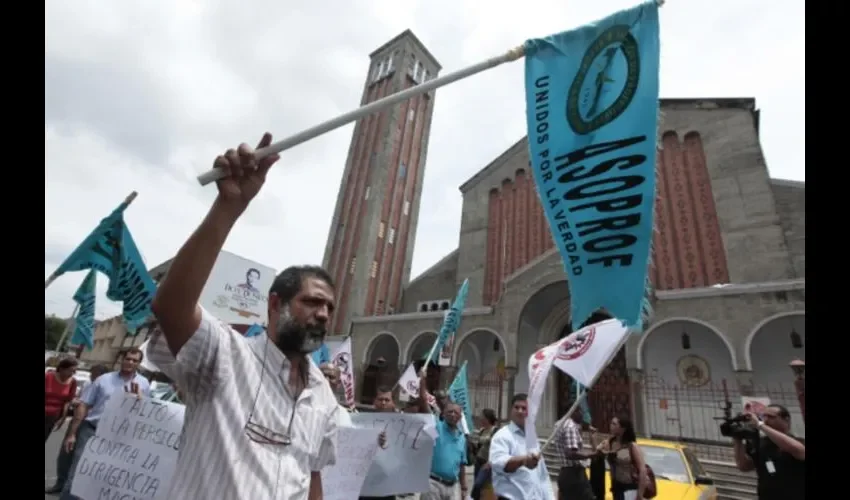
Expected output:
{"points": [[632, 451]]}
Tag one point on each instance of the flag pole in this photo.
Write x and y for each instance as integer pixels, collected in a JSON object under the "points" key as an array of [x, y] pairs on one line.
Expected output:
{"points": [[515, 53], [129, 199], [68, 328]]}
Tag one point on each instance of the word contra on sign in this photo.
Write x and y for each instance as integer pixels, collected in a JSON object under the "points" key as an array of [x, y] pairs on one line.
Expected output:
{"points": [[133, 453]]}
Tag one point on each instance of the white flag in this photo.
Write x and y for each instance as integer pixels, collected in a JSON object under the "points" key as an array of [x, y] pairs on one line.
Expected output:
{"points": [[409, 384], [583, 354], [539, 366], [146, 363], [445, 358], [341, 358]]}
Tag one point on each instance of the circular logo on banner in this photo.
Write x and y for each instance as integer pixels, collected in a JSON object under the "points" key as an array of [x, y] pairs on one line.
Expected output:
{"points": [[595, 98], [342, 361], [412, 388], [574, 347]]}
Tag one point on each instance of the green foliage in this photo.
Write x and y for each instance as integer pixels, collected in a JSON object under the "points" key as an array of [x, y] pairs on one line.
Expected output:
{"points": [[53, 329]]}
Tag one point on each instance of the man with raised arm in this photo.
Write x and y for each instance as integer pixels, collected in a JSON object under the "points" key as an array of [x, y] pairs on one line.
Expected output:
{"points": [[261, 421]]}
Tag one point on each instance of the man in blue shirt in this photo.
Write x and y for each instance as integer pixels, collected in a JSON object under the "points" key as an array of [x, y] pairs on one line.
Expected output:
{"points": [[93, 401], [449, 459]]}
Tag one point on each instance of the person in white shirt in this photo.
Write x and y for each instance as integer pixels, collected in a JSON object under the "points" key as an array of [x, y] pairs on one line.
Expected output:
{"points": [[517, 473], [261, 421]]}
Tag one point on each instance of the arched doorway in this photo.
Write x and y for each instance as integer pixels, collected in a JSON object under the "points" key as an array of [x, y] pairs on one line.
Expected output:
{"points": [[381, 365], [689, 373], [417, 352], [770, 348], [611, 395], [484, 353]]}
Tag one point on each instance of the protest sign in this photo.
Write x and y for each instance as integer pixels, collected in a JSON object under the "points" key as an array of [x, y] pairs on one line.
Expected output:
{"points": [[404, 467], [356, 449], [133, 453]]}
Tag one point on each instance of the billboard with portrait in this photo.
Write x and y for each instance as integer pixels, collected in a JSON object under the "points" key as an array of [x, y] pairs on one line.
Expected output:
{"points": [[237, 291]]}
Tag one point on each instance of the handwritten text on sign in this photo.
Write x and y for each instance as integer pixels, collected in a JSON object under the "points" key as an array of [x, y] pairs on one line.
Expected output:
{"points": [[404, 466], [133, 453], [355, 452]]}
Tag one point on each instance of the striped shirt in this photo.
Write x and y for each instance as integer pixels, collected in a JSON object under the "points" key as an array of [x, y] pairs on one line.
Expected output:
{"points": [[568, 439], [227, 380]]}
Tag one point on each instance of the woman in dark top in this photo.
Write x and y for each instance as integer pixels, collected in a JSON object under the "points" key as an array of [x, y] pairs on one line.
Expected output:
{"points": [[479, 443], [60, 388]]}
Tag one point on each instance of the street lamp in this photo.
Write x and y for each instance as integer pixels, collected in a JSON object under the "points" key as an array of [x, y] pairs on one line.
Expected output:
{"points": [[799, 369]]}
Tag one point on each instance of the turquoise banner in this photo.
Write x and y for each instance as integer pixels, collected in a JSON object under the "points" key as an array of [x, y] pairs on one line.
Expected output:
{"points": [[592, 112]]}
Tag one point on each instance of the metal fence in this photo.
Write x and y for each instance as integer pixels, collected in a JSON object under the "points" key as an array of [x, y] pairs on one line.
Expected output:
{"points": [[487, 391], [693, 414]]}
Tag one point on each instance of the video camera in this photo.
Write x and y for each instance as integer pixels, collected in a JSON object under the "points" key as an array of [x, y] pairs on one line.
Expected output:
{"points": [[738, 426]]}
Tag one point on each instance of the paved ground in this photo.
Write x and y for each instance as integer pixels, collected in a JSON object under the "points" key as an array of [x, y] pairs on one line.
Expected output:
{"points": [[51, 451]]}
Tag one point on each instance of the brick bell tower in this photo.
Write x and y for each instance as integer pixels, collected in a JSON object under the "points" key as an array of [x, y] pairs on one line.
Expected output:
{"points": [[370, 244]]}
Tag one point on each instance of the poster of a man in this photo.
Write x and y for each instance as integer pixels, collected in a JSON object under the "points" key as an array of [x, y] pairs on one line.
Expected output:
{"points": [[236, 290], [252, 278]]}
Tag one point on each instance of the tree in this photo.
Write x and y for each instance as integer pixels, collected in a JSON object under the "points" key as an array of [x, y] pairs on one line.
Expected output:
{"points": [[53, 329]]}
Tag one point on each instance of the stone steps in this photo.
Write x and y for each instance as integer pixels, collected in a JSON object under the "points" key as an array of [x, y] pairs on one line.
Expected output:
{"points": [[731, 483]]}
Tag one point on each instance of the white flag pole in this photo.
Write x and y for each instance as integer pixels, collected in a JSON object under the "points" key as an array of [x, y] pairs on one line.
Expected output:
{"points": [[213, 175], [515, 53]]}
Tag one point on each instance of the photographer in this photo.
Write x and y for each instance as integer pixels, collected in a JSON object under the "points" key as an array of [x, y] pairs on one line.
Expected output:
{"points": [[778, 458]]}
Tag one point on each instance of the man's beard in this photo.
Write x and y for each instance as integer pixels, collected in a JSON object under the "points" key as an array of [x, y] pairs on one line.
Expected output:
{"points": [[294, 337]]}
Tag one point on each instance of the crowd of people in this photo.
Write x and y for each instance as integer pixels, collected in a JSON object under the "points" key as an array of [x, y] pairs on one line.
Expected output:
{"points": [[262, 416]]}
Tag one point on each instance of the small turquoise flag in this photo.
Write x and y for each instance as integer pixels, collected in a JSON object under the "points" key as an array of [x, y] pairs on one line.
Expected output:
{"points": [[592, 112], [451, 322], [111, 250], [459, 393], [84, 322], [256, 329], [322, 355]]}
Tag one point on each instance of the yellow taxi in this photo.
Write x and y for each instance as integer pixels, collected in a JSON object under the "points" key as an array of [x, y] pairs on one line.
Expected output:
{"points": [[678, 473]]}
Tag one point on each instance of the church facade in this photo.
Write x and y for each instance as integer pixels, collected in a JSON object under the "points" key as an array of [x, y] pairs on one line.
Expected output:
{"points": [[728, 274]]}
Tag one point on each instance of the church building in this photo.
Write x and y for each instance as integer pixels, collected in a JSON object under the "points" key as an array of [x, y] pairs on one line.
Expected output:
{"points": [[728, 268]]}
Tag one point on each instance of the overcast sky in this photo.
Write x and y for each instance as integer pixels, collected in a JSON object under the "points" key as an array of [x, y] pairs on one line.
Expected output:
{"points": [[143, 95]]}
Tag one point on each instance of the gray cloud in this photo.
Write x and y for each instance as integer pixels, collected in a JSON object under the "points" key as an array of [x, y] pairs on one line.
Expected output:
{"points": [[142, 96]]}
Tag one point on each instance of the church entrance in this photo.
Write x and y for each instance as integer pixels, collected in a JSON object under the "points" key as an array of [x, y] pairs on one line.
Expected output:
{"points": [[610, 397]]}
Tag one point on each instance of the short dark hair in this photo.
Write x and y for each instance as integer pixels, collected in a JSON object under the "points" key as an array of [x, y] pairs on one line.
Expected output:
{"points": [[781, 411], [519, 397], [288, 283], [98, 370], [490, 415], [383, 389], [253, 270], [135, 350], [66, 363]]}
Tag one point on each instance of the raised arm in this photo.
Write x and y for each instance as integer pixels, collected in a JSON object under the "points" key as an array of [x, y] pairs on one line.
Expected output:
{"points": [[176, 301]]}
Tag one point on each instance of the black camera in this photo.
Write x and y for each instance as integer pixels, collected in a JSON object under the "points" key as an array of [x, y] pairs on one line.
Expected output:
{"points": [[738, 426]]}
